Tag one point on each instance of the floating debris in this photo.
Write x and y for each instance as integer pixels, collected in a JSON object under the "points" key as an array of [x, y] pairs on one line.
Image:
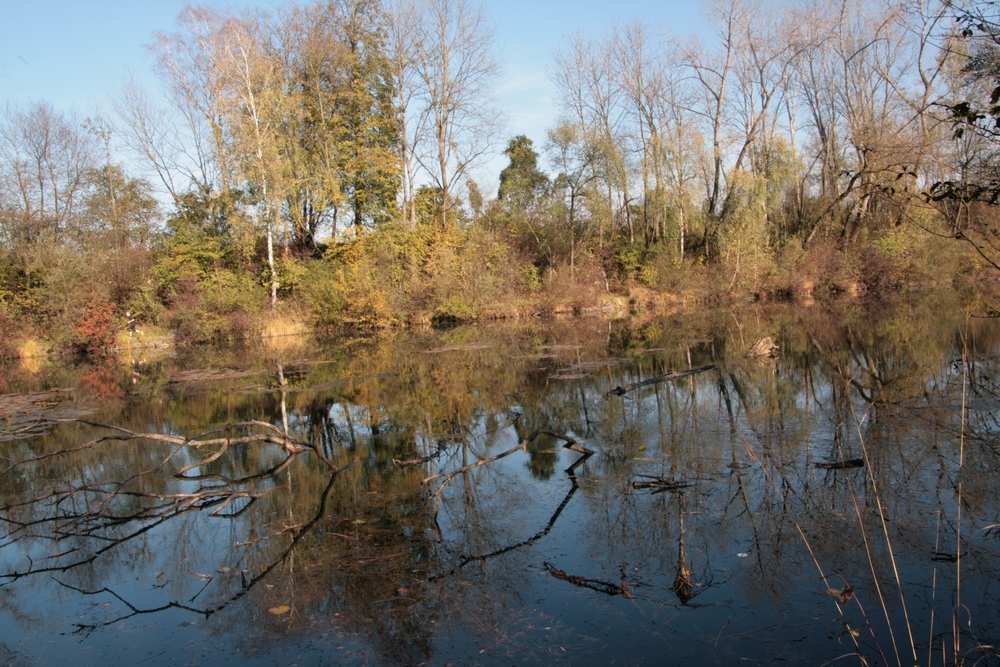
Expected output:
{"points": [[203, 375], [589, 366]]}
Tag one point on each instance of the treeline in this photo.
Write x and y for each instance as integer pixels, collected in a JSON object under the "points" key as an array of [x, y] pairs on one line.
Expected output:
{"points": [[316, 160]]}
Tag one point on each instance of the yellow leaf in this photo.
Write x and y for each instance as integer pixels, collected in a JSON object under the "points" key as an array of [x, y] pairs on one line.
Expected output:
{"points": [[280, 609]]}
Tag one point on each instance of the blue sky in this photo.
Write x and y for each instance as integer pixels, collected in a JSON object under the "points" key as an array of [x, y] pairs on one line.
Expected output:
{"points": [[72, 53]]}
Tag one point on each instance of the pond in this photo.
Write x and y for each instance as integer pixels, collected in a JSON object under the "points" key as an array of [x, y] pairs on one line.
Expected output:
{"points": [[482, 495]]}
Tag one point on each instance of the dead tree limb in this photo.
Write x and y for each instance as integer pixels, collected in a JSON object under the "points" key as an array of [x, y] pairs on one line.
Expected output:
{"points": [[674, 375], [464, 469], [661, 484], [599, 585], [570, 443]]}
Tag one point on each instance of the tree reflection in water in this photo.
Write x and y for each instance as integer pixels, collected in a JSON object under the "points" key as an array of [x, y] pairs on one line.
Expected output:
{"points": [[475, 495]]}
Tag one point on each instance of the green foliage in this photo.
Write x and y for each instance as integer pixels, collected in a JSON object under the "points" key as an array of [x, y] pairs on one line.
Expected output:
{"points": [[745, 236], [223, 306], [291, 273], [454, 308], [21, 290], [529, 275], [188, 254], [521, 183], [120, 210]]}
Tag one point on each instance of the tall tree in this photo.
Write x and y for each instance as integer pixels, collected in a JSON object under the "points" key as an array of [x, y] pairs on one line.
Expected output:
{"points": [[572, 157], [45, 158], [252, 104], [365, 113], [457, 69], [403, 53]]}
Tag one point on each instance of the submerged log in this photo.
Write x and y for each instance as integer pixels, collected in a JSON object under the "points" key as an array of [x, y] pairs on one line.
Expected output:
{"points": [[674, 375], [840, 465]]}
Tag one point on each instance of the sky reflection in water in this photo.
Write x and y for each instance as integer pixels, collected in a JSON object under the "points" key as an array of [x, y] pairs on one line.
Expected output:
{"points": [[734, 515]]}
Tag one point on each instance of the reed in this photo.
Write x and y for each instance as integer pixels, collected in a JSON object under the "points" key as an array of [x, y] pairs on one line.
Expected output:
{"points": [[959, 645]]}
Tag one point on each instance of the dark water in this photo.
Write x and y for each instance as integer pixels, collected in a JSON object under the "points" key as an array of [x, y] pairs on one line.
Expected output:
{"points": [[707, 527]]}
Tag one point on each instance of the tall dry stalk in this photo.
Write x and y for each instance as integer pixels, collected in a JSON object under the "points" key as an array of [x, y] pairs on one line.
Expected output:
{"points": [[956, 610]]}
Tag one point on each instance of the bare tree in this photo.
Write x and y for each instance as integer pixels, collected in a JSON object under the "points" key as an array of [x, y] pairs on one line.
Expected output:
{"points": [[589, 92], [44, 161], [457, 70], [186, 62], [403, 50], [713, 72]]}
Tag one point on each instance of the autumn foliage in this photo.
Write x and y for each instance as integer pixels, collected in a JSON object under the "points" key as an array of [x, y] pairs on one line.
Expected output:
{"points": [[95, 330]]}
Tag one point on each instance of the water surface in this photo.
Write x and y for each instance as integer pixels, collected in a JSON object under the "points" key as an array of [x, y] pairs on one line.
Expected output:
{"points": [[831, 504]]}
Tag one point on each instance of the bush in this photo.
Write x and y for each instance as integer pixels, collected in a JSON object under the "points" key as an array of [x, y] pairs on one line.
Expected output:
{"points": [[398, 275], [96, 332], [223, 307]]}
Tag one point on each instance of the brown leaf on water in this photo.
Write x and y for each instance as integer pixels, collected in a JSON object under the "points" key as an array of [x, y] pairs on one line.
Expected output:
{"points": [[844, 595], [280, 609]]}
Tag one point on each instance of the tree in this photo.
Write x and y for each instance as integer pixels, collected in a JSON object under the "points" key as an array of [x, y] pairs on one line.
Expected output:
{"points": [[44, 162], [363, 111], [969, 199], [403, 52], [521, 182], [252, 104], [570, 155], [457, 69]]}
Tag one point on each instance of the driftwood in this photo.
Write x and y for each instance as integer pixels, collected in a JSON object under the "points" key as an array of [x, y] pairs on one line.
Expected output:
{"points": [[570, 444], [104, 515], [674, 375], [396, 463], [840, 465]]}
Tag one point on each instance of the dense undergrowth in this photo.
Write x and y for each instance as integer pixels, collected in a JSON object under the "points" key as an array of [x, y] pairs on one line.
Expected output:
{"points": [[202, 287]]}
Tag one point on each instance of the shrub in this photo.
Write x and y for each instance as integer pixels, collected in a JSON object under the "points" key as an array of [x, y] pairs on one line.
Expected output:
{"points": [[223, 307], [96, 331]]}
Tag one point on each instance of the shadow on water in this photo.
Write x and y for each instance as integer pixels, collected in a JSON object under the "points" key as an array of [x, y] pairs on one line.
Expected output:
{"points": [[571, 491]]}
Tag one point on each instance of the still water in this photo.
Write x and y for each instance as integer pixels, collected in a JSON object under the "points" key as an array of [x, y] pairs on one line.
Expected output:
{"points": [[477, 496]]}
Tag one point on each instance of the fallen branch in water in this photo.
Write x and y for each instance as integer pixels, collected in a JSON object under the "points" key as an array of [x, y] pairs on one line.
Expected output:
{"points": [[451, 475], [522, 446], [674, 375], [840, 465], [272, 435], [661, 484], [599, 585]]}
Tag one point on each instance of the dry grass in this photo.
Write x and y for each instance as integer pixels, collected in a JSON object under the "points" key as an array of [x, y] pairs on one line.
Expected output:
{"points": [[32, 354], [281, 333]]}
